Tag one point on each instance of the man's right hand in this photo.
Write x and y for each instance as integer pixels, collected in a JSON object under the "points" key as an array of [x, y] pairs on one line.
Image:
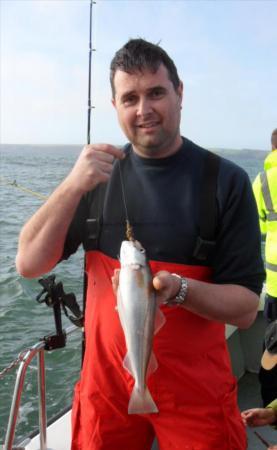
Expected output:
{"points": [[93, 166], [42, 238]]}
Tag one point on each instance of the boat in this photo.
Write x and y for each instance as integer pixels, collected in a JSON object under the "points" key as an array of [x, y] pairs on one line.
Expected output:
{"points": [[245, 348]]}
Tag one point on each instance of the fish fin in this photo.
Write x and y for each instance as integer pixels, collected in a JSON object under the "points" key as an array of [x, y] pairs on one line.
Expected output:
{"points": [[127, 364], [141, 402], [159, 320], [152, 365]]}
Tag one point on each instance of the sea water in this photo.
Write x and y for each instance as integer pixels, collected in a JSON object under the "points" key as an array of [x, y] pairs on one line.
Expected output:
{"points": [[22, 320]]}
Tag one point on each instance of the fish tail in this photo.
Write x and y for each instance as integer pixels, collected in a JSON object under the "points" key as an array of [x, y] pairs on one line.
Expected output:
{"points": [[141, 402]]}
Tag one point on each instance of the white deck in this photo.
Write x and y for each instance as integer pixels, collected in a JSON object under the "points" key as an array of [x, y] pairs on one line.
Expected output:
{"points": [[58, 435]]}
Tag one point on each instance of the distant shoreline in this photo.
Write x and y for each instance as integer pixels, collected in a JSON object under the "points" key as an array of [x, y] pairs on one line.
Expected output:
{"points": [[80, 146]]}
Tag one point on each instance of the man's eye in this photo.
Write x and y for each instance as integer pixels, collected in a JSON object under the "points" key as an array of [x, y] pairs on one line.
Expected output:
{"points": [[157, 93], [129, 100]]}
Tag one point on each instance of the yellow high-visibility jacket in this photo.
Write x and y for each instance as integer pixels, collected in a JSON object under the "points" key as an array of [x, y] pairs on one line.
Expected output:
{"points": [[265, 191]]}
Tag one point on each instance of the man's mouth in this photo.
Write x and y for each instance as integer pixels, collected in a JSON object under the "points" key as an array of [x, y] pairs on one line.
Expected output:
{"points": [[148, 124]]}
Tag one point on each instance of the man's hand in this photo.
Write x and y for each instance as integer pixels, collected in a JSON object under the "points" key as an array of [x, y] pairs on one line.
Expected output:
{"points": [[93, 166], [166, 285]]}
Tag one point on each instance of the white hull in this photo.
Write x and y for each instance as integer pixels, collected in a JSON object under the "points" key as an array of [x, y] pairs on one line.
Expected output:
{"points": [[58, 435]]}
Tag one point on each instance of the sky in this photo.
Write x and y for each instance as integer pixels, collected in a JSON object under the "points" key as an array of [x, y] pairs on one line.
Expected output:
{"points": [[225, 52]]}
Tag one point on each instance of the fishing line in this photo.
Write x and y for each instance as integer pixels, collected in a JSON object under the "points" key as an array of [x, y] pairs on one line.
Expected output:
{"points": [[22, 188], [129, 229]]}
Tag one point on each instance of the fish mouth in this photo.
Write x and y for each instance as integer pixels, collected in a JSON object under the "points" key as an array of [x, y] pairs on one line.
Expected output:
{"points": [[138, 246]]}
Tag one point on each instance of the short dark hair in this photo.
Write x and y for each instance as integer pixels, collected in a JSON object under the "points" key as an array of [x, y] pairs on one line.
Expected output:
{"points": [[274, 138], [138, 55]]}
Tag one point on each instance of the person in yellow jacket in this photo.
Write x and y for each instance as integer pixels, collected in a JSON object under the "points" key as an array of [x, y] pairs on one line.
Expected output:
{"points": [[265, 191]]}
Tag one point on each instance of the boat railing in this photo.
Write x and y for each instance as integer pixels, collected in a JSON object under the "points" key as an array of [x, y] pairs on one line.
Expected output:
{"points": [[36, 350]]}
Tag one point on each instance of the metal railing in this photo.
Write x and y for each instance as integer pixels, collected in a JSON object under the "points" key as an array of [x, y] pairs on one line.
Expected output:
{"points": [[36, 350]]}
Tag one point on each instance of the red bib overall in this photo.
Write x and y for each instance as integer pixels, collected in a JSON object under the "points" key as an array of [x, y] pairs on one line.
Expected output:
{"points": [[193, 386]]}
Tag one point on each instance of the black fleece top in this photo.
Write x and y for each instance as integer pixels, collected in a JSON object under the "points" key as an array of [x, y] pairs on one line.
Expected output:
{"points": [[163, 199]]}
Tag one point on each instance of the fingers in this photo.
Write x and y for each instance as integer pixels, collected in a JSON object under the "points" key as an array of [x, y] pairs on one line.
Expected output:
{"points": [[94, 166], [100, 159], [248, 417], [166, 285], [110, 151], [161, 280], [158, 283]]}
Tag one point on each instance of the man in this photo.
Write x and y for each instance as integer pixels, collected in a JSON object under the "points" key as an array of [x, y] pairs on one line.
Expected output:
{"points": [[162, 178], [265, 191]]}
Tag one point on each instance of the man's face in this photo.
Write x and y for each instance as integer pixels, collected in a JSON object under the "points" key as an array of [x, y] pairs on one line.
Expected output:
{"points": [[148, 109]]}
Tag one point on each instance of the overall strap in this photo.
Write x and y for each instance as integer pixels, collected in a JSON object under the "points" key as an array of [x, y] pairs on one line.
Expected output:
{"points": [[94, 221], [95, 218], [91, 240], [206, 240]]}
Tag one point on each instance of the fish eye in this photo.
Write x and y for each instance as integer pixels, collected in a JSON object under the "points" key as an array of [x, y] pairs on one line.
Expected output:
{"points": [[142, 250]]}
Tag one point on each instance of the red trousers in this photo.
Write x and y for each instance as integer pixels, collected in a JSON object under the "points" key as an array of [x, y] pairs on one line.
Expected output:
{"points": [[193, 386]]}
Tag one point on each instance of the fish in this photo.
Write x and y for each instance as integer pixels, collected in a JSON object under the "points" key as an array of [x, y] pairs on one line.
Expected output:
{"points": [[140, 318]]}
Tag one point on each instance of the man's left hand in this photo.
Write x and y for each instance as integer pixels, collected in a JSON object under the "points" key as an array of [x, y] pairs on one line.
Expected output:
{"points": [[166, 285]]}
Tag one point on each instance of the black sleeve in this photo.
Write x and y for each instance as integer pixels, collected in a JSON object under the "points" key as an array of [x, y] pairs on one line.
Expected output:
{"points": [[76, 232], [238, 257]]}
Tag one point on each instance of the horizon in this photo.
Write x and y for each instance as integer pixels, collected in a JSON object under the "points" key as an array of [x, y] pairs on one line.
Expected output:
{"points": [[3, 144]]}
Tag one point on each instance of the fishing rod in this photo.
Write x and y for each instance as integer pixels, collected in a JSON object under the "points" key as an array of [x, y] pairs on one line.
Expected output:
{"points": [[90, 107]]}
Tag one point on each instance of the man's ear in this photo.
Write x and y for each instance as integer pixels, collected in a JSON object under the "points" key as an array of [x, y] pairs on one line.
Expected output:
{"points": [[113, 102], [180, 91]]}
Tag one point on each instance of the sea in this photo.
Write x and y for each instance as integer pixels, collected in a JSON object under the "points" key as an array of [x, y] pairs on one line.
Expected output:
{"points": [[28, 172]]}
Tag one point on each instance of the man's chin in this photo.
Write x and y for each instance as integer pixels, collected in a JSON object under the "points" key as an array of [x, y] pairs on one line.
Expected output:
{"points": [[149, 143]]}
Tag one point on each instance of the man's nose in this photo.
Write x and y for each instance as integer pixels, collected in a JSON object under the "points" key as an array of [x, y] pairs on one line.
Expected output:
{"points": [[144, 107]]}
